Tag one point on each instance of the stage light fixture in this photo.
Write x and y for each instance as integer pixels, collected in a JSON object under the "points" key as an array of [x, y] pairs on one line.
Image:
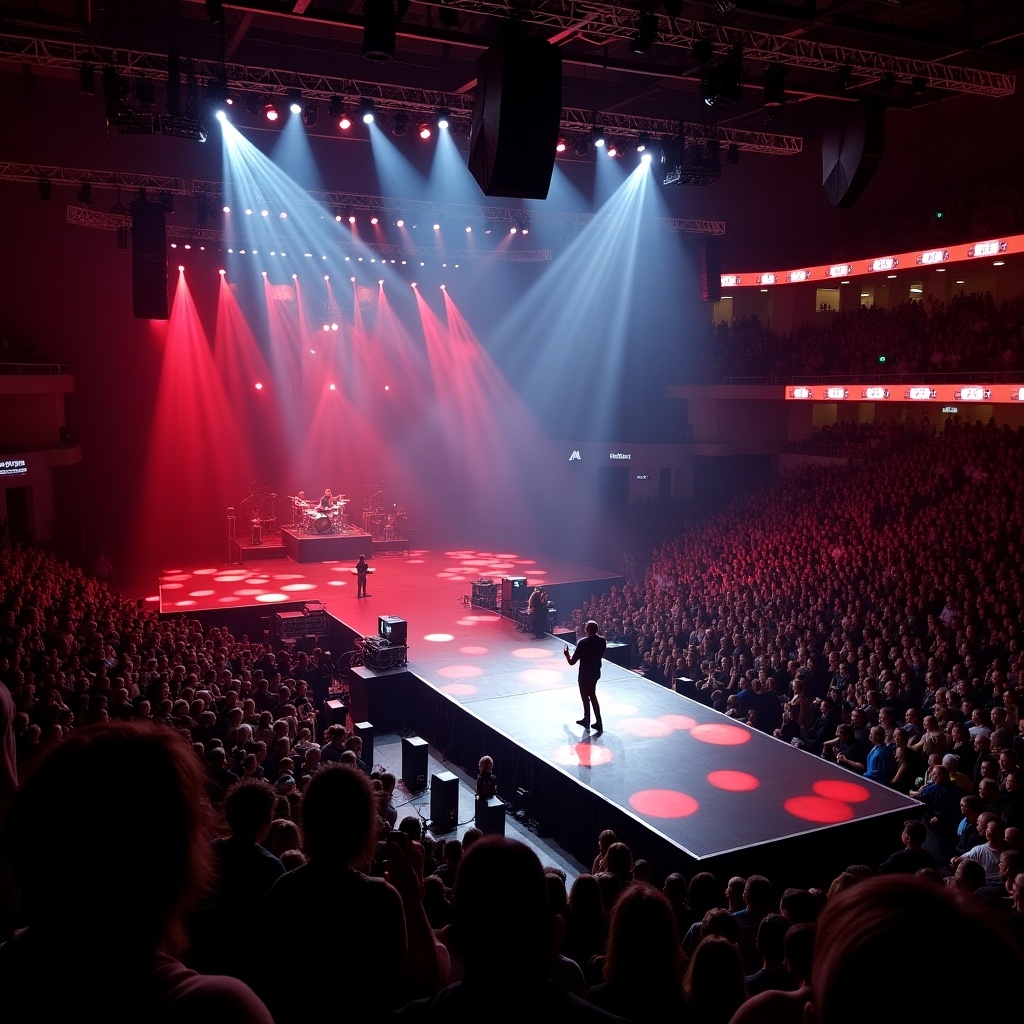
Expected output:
{"points": [[295, 101], [423, 130], [443, 119], [646, 33], [642, 142], [597, 139], [844, 76], [215, 11], [612, 148], [310, 113], [774, 94], [366, 109], [582, 145], [732, 154], [447, 17], [85, 193], [400, 124], [145, 93], [721, 79], [166, 201], [253, 104], [560, 146], [375, 220], [45, 189], [270, 111]]}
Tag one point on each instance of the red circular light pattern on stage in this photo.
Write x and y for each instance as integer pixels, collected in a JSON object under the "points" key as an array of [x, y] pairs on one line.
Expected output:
{"points": [[649, 727], [587, 754], [174, 586], [818, 809], [682, 722], [249, 592], [183, 604], [271, 598], [291, 587], [663, 803], [720, 735], [335, 583], [473, 650], [526, 561], [153, 598], [257, 581], [178, 577], [839, 789], [439, 638], [460, 671], [458, 579], [531, 652], [734, 782], [205, 572], [480, 618], [287, 576], [506, 554], [414, 561], [230, 579], [228, 600], [200, 593], [458, 689]]}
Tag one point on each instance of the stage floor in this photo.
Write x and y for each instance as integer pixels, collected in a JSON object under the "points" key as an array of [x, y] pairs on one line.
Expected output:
{"points": [[705, 783]]}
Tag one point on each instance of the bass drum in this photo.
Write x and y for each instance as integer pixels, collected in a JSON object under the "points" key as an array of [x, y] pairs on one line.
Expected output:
{"points": [[322, 523]]}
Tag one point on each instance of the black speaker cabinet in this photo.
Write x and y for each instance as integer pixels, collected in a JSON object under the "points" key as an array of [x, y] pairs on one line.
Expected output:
{"points": [[337, 713], [364, 730], [444, 802], [710, 272], [851, 152], [149, 261], [514, 594], [414, 763], [517, 112]]}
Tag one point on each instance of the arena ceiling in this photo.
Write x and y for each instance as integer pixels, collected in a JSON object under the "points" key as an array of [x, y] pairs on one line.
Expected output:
{"points": [[828, 53]]}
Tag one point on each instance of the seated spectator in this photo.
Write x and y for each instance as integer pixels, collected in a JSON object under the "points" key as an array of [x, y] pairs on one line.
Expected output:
{"points": [[70, 811], [715, 987], [642, 968], [912, 857], [773, 973]]}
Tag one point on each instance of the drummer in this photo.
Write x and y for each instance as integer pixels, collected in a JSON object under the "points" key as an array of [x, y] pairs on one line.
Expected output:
{"points": [[328, 499]]}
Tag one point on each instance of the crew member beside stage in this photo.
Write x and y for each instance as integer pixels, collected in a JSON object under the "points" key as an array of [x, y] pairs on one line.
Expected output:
{"points": [[589, 652], [362, 572], [537, 606]]}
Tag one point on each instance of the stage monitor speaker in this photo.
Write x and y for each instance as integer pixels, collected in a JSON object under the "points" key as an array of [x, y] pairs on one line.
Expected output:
{"points": [[710, 271], [490, 816], [364, 730], [414, 763], [517, 114], [393, 629], [444, 802], [149, 261], [850, 154], [337, 713]]}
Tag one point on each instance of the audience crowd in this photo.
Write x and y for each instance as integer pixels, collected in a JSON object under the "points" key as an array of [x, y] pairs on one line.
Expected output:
{"points": [[188, 839], [969, 334]]}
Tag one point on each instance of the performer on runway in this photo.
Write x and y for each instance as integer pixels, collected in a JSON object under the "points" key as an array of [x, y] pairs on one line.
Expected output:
{"points": [[362, 571], [589, 652], [537, 606]]}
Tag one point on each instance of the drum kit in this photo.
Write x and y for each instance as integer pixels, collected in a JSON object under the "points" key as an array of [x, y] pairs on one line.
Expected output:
{"points": [[311, 517]]}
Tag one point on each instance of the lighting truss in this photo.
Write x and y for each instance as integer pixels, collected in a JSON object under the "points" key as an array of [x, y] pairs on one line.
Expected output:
{"points": [[420, 103], [603, 22], [357, 202]]}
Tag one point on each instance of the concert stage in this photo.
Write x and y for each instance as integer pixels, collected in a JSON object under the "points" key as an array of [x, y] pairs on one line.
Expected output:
{"points": [[687, 788], [325, 547]]}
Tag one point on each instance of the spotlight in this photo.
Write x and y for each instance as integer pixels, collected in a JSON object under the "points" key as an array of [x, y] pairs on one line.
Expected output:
{"points": [[253, 104], [443, 119], [217, 89], [270, 111], [374, 220], [85, 193], [366, 109], [597, 136], [295, 101], [400, 223], [400, 124], [166, 202], [423, 130], [642, 142], [721, 79], [45, 189], [582, 145], [646, 33], [87, 78], [613, 149], [380, 27], [560, 146], [310, 114], [844, 76], [732, 154], [774, 94]]}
